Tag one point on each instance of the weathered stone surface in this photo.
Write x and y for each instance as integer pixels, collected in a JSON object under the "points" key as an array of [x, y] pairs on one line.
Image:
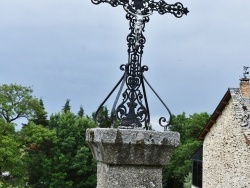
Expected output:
{"points": [[137, 147], [130, 158], [245, 89], [226, 155], [127, 176]]}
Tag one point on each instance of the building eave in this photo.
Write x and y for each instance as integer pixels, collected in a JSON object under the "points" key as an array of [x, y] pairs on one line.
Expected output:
{"points": [[215, 115]]}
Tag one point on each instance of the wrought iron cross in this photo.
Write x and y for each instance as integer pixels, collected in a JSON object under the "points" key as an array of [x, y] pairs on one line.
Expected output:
{"points": [[133, 112]]}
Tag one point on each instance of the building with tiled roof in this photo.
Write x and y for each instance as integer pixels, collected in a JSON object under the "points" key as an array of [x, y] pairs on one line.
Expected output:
{"points": [[226, 136]]}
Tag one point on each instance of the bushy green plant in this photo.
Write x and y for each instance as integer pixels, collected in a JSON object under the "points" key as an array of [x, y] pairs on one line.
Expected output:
{"points": [[187, 181]]}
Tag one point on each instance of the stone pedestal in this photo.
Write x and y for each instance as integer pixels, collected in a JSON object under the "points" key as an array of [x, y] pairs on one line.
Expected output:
{"points": [[130, 158]]}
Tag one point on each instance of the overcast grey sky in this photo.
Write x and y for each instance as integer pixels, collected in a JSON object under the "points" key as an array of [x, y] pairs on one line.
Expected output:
{"points": [[72, 49]]}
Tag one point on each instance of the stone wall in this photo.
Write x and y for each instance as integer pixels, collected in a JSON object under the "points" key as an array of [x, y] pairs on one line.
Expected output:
{"points": [[226, 156]]}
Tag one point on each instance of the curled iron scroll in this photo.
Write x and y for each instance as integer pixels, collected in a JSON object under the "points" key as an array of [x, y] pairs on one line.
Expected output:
{"points": [[162, 121]]}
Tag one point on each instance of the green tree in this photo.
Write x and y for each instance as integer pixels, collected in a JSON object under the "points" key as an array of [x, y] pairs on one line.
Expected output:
{"points": [[39, 142], [180, 163], [45, 153], [58, 155], [189, 127], [179, 124], [40, 117], [103, 118], [11, 157], [16, 102], [66, 107], [81, 112], [73, 164]]}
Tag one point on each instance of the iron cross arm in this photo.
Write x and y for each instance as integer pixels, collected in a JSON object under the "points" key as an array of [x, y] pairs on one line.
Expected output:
{"points": [[148, 6]]}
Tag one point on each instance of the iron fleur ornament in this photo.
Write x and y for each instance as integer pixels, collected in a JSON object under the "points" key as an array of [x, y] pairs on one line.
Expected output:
{"points": [[133, 112]]}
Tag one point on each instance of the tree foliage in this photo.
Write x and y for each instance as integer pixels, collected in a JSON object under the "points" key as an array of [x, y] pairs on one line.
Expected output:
{"points": [[40, 116], [74, 165], [103, 117], [188, 181], [47, 152], [17, 102], [81, 112], [66, 107], [180, 163], [57, 155], [38, 143], [11, 156]]}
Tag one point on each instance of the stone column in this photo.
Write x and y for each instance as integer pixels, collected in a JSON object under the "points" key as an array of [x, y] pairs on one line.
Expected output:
{"points": [[130, 158]]}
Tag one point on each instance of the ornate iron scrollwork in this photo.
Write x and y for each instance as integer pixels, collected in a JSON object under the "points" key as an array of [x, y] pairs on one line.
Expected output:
{"points": [[133, 112]]}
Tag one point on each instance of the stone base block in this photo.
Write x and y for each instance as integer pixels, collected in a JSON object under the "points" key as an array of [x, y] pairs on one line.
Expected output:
{"points": [[131, 158]]}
